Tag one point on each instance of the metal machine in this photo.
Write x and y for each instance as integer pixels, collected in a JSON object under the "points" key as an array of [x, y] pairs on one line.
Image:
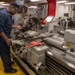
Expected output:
{"points": [[28, 44], [61, 62], [69, 38], [45, 50]]}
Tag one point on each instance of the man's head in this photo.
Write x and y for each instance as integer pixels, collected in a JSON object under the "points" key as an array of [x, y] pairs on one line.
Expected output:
{"points": [[13, 8]]}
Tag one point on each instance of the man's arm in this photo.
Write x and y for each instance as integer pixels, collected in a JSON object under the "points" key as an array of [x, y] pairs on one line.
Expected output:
{"points": [[2, 34], [5, 38], [17, 26]]}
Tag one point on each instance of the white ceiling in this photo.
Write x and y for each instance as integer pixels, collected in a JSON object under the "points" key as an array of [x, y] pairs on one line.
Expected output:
{"points": [[44, 1]]}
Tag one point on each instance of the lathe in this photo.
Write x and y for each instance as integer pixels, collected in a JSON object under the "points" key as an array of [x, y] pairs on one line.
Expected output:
{"points": [[46, 51]]}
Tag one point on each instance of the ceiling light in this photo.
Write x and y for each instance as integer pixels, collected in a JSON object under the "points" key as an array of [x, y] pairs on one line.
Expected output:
{"points": [[34, 0], [70, 3], [62, 1], [35, 7], [4, 4]]}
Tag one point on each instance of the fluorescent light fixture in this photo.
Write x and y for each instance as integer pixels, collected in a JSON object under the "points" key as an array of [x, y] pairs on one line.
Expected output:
{"points": [[62, 1], [2, 2], [49, 18], [70, 3], [33, 7], [34, 0]]}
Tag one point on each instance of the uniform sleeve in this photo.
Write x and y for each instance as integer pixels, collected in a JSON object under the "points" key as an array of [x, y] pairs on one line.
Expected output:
{"points": [[2, 20]]}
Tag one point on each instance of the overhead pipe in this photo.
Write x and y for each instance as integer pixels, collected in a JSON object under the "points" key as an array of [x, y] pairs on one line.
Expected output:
{"points": [[51, 11], [51, 7]]}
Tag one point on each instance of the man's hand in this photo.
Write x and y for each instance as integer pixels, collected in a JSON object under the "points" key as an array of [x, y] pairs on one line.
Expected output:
{"points": [[8, 41], [17, 26], [20, 27]]}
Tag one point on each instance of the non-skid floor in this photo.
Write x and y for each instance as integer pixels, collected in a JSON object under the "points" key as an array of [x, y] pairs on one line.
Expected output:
{"points": [[19, 71]]}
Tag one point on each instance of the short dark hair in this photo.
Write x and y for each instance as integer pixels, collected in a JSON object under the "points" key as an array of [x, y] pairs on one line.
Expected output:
{"points": [[13, 4]]}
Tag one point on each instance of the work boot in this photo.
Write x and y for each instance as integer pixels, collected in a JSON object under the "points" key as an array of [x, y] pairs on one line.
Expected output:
{"points": [[10, 71]]}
